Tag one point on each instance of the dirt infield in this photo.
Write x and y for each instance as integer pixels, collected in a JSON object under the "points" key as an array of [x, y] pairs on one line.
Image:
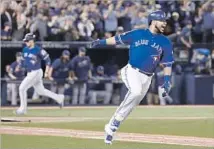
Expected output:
{"points": [[101, 107], [129, 137]]}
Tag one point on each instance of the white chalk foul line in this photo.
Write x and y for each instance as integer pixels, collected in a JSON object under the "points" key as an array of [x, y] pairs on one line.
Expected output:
{"points": [[128, 137]]}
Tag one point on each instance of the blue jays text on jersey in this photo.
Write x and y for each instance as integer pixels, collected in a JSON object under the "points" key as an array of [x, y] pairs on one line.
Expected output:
{"points": [[147, 49], [34, 56], [60, 69]]}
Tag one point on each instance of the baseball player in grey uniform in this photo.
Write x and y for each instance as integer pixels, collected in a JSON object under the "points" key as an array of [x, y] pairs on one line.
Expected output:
{"points": [[103, 89], [80, 67]]}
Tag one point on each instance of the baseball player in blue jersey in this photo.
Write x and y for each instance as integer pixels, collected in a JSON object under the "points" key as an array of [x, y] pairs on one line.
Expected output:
{"points": [[33, 56], [59, 71], [148, 48]]}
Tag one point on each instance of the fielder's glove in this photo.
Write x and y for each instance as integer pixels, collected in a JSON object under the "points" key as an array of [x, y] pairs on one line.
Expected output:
{"points": [[94, 43]]}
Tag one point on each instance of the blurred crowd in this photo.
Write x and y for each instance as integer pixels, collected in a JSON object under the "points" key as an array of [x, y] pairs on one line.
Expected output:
{"points": [[85, 20]]}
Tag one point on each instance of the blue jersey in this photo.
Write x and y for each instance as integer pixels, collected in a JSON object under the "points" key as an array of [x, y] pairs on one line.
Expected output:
{"points": [[60, 69], [17, 69], [33, 58], [147, 49], [81, 66]]}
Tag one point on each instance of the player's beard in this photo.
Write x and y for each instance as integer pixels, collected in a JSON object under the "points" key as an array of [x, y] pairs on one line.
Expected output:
{"points": [[158, 29]]}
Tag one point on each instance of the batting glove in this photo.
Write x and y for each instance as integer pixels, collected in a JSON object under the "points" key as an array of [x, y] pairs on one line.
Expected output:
{"points": [[166, 85], [97, 42]]}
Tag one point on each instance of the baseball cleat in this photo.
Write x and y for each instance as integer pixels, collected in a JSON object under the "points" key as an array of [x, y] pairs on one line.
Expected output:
{"points": [[20, 112], [109, 135]]}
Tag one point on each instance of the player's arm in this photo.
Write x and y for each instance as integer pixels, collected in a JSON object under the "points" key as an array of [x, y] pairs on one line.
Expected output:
{"points": [[51, 68], [45, 56], [125, 38], [167, 60], [10, 72]]}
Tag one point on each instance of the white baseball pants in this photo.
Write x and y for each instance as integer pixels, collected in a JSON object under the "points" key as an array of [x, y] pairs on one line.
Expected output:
{"points": [[138, 85], [34, 79]]}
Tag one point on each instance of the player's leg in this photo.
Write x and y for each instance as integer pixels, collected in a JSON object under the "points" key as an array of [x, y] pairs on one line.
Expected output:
{"points": [[14, 89], [75, 93], [27, 83], [137, 87], [82, 89], [61, 89], [92, 97], [41, 90], [162, 99], [107, 94]]}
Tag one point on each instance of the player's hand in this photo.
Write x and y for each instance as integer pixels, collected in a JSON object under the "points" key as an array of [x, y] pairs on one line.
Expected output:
{"points": [[50, 78], [75, 78], [94, 43], [166, 86], [46, 75]]}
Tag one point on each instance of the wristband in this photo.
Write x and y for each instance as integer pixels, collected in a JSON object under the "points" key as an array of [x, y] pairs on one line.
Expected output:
{"points": [[167, 78], [102, 42]]}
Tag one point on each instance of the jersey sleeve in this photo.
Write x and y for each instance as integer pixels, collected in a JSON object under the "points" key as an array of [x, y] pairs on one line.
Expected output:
{"points": [[126, 38], [45, 56], [55, 64], [167, 55], [12, 67]]}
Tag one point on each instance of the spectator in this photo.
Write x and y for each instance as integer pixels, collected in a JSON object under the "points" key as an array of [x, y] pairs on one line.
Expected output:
{"points": [[101, 90], [174, 37], [120, 30], [110, 19], [202, 61], [97, 19], [174, 22], [54, 27], [124, 13], [186, 38], [40, 26], [197, 29], [5, 15], [6, 32], [21, 22], [59, 72], [208, 21], [140, 21], [80, 73], [71, 33], [85, 27]]}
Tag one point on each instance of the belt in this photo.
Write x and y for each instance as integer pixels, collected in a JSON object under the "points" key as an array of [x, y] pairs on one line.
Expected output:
{"points": [[143, 72]]}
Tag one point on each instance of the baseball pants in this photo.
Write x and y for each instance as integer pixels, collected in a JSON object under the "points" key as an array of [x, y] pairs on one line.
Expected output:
{"points": [[138, 85], [34, 79], [79, 92]]}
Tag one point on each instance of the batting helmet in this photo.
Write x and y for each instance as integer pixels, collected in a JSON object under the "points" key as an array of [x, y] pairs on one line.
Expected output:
{"points": [[157, 15], [29, 36]]}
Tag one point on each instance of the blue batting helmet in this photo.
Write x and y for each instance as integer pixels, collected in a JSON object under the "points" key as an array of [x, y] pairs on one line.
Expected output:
{"points": [[157, 15], [29, 36]]}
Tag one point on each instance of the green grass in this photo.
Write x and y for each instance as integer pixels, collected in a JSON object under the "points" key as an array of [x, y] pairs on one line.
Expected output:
{"points": [[24, 142], [107, 112], [198, 128]]}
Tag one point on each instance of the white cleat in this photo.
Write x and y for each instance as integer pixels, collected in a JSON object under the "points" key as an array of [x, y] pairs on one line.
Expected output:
{"points": [[109, 135], [61, 100], [20, 111]]}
